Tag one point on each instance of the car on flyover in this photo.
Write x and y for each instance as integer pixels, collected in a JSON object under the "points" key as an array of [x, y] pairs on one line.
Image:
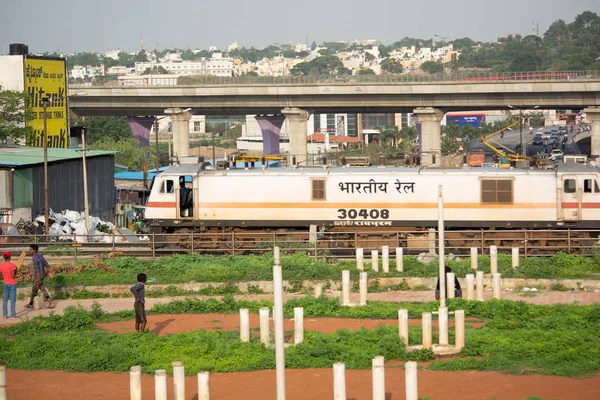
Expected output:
{"points": [[556, 155]]}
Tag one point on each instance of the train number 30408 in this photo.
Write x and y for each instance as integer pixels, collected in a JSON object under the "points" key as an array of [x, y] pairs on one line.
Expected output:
{"points": [[363, 213]]}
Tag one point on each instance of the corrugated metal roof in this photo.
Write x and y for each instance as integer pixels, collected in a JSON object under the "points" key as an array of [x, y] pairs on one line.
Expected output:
{"points": [[22, 156]]}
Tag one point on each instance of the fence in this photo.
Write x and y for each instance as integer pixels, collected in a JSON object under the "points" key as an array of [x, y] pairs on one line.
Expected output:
{"points": [[458, 77], [321, 245]]}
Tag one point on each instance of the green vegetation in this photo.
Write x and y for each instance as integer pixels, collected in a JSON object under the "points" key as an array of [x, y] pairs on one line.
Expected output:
{"points": [[300, 267], [15, 110], [517, 338]]}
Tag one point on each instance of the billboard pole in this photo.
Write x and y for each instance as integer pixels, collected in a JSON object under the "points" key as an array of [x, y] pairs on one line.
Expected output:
{"points": [[45, 102]]}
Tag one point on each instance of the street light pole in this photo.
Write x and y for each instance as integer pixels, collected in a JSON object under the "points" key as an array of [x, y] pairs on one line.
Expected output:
{"points": [[156, 141], [86, 206], [45, 103]]}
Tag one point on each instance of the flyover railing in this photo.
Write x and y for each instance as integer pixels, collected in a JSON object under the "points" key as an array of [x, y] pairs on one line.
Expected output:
{"points": [[455, 77], [330, 246]]}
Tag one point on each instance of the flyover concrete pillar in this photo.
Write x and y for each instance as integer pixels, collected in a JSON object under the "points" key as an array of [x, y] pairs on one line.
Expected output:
{"points": [[297, 124], [431, 135], [181, 131], [593, 116]]}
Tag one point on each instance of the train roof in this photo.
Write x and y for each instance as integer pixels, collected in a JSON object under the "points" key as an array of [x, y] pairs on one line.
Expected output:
{"points": [[197, 169]]}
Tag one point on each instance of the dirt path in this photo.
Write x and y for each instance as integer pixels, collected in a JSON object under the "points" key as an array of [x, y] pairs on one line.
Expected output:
{"points": [[305, 384], [166, 324]]}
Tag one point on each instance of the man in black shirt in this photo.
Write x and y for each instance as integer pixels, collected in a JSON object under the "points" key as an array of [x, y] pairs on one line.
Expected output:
{"points": [[457, 289]]}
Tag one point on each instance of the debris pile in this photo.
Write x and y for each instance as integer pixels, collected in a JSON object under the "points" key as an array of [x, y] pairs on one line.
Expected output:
{"points": [[69, 223], [25, 272]]}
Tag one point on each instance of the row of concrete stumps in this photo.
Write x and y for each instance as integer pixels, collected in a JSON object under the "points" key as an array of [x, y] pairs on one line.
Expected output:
{"points": [[160, 383]]}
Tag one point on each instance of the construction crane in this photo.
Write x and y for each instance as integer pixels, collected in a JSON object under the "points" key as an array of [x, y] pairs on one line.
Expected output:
{"points": [[507, 153]]}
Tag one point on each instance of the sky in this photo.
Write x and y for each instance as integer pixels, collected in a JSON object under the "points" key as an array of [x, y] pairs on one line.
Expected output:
{"points": [[68, 26]]}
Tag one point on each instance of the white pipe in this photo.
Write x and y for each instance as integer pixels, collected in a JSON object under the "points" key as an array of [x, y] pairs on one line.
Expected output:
{"points": [[244, 325], [515, 257], [403, 325], [179, 380], [264, 325], [399, 259], [410, 374], [442, 255], [474, 260], [276, 256], [378, 372], [339, 381], [496, 286], [135, 383], [493, 260], [385, 258], [470, 286], [450, 284], [426, 322], [3, 382], [459, 329], [278, 321], [363, 287], [360, 261], [479, 286], [160, 384], [375, 260], [298, 325], [443, 325], [203, 386], [345, 287]]}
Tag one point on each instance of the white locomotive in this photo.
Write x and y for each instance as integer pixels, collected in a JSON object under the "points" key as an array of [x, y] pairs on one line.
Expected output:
{"points": [[194, 196]]}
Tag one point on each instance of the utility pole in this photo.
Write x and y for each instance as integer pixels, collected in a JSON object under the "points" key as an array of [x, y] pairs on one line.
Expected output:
{"points": [[45, 102], [156, 140], [443, 56], [86, 206]]}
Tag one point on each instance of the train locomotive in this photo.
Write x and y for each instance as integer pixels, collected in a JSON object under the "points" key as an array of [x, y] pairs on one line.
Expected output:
{"points": [[199, 197]]}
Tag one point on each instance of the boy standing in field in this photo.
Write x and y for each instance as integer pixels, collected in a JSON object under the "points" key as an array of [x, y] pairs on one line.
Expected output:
{"points": [[139, 305], [39, 273]]}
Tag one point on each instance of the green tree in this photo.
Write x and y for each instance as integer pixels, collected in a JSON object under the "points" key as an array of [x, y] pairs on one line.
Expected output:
{"points": [[99, 128], [129, 154], [391, 66], [389, 135], [15, 111], [157, 69], [431, 67], [326, 65], [365, 71], [141, 56]]}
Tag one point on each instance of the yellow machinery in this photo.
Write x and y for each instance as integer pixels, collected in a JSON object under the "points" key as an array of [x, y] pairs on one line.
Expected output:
{"points": [[507, 153], [243, 157]]}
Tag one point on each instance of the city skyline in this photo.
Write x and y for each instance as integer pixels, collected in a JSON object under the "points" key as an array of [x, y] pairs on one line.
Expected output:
{"points": [[76, 27]]}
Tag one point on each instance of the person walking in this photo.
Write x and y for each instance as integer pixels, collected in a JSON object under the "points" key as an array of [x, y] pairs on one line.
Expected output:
{"points": [[139, 305], [39, 273], [8, 271]]}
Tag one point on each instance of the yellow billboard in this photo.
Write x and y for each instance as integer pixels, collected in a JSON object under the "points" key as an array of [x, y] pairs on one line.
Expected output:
{"points": [[46, 78]]}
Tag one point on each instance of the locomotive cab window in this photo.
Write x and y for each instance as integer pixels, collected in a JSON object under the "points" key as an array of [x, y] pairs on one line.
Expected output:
{"points": [[167, 186], [590, 186], [496, 191], [318, 189], [569, 186]]}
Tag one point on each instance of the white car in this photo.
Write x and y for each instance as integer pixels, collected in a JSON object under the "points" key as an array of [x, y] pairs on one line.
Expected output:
{"points": [[556, 155]]}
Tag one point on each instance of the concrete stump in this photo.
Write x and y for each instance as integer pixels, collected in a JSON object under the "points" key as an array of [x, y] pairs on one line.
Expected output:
{"points": [[426, 323], [160, 384], [135, 383], [470, 278], [264, 325], [450, 285], [298, 325], [493, 260], [318, 290], [399, 259], [360, 261], [378, 371], [403, 325], [443, 325], [410, 374], [432, 241], [515, 257], [345, 287], [363, 286], [479, 279], [339, 381], [375, 260], [459, 329], [474, 257], [203, 386], [244, 325], [179, 380], [496, 286], [385, 258]]}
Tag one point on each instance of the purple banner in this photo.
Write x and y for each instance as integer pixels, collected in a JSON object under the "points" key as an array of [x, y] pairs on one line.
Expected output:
{"points": [[140, 126], [270, 126]]}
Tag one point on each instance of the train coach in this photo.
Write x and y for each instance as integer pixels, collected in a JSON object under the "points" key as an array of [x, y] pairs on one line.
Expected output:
{"points": [[193, 196]]}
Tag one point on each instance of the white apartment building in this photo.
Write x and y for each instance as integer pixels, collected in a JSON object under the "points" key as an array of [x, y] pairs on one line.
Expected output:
{"points": [[120, 70], [114, 54], [83, 72], [211, 66]]}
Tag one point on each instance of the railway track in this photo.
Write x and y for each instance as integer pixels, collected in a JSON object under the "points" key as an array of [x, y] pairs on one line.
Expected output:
{"points": [[331, 245]]}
